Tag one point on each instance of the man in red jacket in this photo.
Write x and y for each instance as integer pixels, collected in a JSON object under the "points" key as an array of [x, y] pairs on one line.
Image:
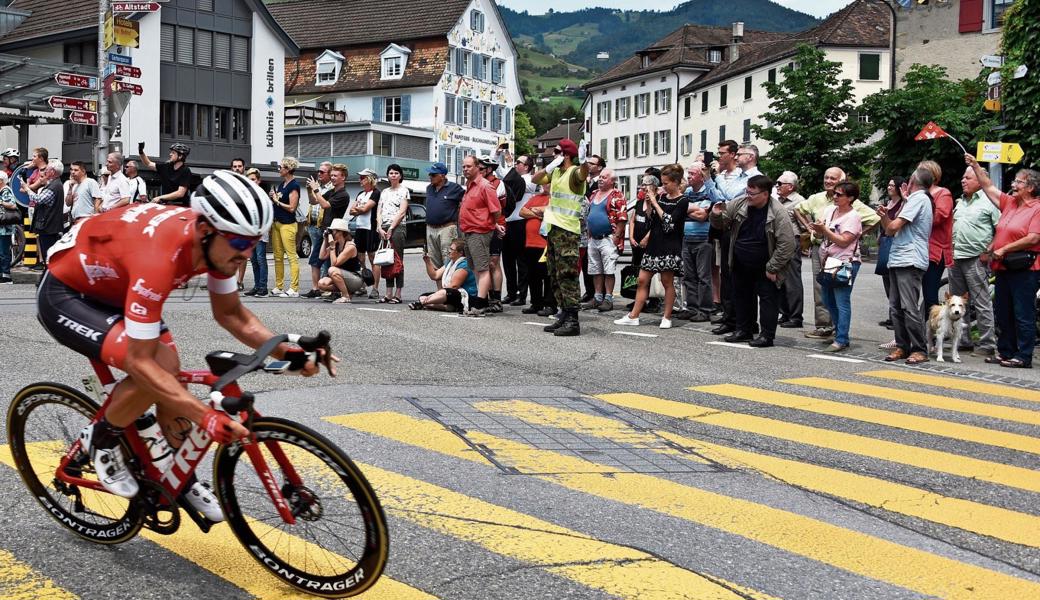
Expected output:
{"points": [[479, 216]]}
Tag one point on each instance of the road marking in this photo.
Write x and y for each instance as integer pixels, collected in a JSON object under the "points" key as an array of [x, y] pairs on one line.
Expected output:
{"points": [[19, 581], [955, 383], [731, 345], [982, 519], [834, 358], [842, 548], [634, 334], [388, 310], [982, 409], [938, 427], [924, 458], [542, 324], [220, 552]]}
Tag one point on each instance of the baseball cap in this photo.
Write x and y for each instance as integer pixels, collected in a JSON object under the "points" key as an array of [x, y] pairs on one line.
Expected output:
{"points": [[367, 173], [568, 147], [437, 168]]}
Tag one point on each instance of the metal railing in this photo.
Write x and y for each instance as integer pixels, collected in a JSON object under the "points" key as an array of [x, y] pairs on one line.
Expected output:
{"points": [[301, 116]]}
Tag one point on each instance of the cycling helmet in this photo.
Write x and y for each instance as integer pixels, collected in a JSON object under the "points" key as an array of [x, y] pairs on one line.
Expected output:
{"points": [[233, 204], [9, 153], [181, 149]]}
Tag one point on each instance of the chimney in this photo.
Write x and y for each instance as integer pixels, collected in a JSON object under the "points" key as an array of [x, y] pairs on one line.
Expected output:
{"points": [[738, 38]]}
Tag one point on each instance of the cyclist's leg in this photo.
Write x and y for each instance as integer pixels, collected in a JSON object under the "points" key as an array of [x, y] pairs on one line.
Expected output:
{"points": [[129, 399]]}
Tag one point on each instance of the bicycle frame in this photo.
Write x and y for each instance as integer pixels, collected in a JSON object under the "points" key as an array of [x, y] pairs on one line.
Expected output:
{"points": [[195, 446]]}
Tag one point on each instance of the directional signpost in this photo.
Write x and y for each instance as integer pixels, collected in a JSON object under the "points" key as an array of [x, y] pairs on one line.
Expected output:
{"points": [[75, 80], [999, 152], [992, 61], [122, 86], [83, 117], [133, 7], [120, 59], [68, 103]]}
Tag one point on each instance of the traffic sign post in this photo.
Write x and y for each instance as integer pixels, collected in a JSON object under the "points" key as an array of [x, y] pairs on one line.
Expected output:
{"points": [[68, 103], [83, 117], [122, 86], [127, 71], [75, 80], [120, 59], [998, 152], [127, 32], [134, 7]]}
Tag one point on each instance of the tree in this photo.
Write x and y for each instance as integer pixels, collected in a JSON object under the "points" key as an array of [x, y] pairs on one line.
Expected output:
{"points": [[1020, 98], [926, 95], [523, 132], [811, 121]]}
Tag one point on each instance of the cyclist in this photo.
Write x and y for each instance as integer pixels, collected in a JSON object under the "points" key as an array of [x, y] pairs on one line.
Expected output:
{"points": [[103, 297], [10, 157]]}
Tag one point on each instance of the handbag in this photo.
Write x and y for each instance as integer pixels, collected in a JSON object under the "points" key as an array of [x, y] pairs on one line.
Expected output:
{"points": [[629, 281], [10, 216], [393, 269], [384, 255], [656, 287], [366, 276], [1020, 260]]}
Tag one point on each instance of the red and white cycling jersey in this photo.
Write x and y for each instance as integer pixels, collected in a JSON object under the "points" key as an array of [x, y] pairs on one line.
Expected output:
{"points": [[133, 258]]}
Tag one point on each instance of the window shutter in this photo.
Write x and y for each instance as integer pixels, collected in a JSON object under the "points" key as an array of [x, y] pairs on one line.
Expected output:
{"points": [[240, 53], [496, 118], [377, 109], [458, 61], [449, 108], [971, 16], [221, 51], [509, 120], [442, 154], [406, 108], [185, 45], [475, 63], [204, 48], [460, 116], [458, 160], [206, 5], [167, 43], [747, 131]]}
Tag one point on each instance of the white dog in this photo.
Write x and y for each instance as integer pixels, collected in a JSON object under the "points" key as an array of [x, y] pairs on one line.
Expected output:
{"points": [[946, 320]]}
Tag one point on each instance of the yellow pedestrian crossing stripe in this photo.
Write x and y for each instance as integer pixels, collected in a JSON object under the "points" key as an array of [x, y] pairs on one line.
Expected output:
{"points": [[19, 581], [956, 383], [924, 458], [938, 427], [978, 518], [981, 409], [842, 548]]}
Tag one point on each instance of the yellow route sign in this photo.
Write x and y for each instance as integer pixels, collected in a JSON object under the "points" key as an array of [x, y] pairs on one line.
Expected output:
{"points": [[999, 152], [121, 32]]}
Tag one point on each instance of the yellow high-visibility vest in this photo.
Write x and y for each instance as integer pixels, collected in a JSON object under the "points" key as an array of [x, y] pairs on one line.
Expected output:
{"points": [[564, 209]]}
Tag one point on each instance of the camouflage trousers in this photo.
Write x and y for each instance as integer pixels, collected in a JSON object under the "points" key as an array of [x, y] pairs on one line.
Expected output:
{"points": [[562, 260]]}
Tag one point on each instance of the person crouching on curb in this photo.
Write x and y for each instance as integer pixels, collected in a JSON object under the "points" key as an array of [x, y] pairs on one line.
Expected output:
{"points": [[344, 278], [457, 282]]}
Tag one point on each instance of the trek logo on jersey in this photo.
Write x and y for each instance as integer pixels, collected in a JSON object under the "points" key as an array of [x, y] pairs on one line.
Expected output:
{"points": [[145, 292], [138, 310], [159, 218], [131, 214], [91, 334], [96, 272]]}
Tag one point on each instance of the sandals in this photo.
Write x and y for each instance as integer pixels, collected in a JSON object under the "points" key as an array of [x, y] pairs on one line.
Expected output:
{"points": [[996, 359], [341, 300], [917, 358], [416, 305], [1015, 363], [896, 354], [394, 300], [386, 300]]}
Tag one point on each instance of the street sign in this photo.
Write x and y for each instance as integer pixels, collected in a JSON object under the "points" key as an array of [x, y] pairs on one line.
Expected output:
{"points": [[83, 117], [108, 85], [992, 60], [127, 71], [1020, 72], [992, 104], [120, 59], [998, 152], [109, 34], [65, 102], [122, 86], [85, 82], [127, 32], [410, 173], [994, 78], [133, 7]]}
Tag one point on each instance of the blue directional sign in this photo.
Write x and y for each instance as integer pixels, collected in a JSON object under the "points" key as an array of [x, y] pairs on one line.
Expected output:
{"points": [[119, 59]]}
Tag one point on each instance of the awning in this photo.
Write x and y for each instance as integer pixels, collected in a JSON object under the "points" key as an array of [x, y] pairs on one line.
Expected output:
{"points": [[27, 83]]}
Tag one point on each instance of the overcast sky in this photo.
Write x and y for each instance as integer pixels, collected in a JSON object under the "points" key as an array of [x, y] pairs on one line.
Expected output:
{"points": [[817, 8]]}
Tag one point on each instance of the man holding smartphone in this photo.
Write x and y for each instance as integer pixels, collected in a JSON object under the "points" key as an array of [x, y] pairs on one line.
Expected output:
{"points": [[174, 175]]}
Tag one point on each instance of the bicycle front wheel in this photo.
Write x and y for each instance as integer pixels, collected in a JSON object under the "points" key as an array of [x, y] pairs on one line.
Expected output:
{"points": [[43, 422], [338, 546]]}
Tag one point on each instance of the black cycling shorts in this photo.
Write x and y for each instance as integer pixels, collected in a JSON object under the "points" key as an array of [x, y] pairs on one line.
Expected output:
{"points": [[366, 240], [496, 244]]}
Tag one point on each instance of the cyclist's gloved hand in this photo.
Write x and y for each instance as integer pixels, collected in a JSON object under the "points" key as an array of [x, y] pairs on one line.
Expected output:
{"points": [[222, 428], [308, 363]]}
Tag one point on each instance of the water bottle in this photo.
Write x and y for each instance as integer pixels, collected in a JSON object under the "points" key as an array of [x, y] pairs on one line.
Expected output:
{"points": [[152, 435]]}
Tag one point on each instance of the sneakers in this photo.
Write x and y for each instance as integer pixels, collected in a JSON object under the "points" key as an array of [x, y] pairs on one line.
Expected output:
{"points": [[494, 306], [277, 293], [291, 293], [820, 333], [591, 304], [629, 321], [666, 324], [547, 311], [201, 498], [373, 294], [110, 466], [314, 293], [605, 306], [6, 280], [261, 293]]}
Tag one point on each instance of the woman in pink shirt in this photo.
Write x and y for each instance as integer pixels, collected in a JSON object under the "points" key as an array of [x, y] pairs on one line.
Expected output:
{"points": [[840, 231], [940, 243]]}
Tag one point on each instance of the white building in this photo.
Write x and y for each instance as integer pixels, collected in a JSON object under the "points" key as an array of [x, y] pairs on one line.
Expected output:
{"points": [[212, 78], [401, 81]]}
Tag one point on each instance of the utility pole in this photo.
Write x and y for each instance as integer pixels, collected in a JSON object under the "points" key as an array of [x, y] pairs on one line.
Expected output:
{"points": [[104, 128]]}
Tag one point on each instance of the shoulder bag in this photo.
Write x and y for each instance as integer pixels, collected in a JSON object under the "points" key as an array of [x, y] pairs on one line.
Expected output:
{"points": [[384, 255]]}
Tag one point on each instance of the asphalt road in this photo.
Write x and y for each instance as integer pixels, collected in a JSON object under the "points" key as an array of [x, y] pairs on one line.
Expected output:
{"points": [[610, 465]]}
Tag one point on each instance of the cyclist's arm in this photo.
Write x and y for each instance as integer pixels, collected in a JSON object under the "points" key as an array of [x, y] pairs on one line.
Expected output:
{"points": [[142, 366]]}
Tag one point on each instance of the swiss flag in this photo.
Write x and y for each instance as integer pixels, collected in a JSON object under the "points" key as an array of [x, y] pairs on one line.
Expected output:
{"points": [[931, 131]]}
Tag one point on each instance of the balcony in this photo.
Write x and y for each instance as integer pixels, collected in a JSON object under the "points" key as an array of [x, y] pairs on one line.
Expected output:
{"points": [[303, 116]]}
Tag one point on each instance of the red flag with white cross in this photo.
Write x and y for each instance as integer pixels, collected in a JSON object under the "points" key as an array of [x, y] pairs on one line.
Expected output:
{"points": [[931, 131]]}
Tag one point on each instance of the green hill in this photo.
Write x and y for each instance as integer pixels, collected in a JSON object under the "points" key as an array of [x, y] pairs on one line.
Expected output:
{"points": [[545, 76]]}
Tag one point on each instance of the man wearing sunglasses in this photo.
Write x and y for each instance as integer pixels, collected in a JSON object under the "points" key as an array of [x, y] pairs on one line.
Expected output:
{"points": [[103, 297]]}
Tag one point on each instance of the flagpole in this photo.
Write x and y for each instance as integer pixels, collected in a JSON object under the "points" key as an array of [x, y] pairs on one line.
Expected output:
{"points": [[957, 142]]}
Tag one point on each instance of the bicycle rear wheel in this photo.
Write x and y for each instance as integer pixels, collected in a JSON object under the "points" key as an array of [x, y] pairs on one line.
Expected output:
{"points": [[339, 544], [43, 422]]}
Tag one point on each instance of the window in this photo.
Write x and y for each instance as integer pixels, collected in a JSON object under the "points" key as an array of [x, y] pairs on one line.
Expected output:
{"points": [[603, 148], [687, 104], [166, 118], [449, 108], [663, 141], [464, 64], [167, 44], [747, 87], [621, 147], [642, 144], [392, 67], [870, 67], [704, 139], [221, 51], [624, 184], [722, 133], [772, 75], [203, 118], [464, 112], [996, 12], [204, 48], [723, 91], [382, 144], [485, 68], [185, 46], [328, 105], [184, 120], [714, 55], [747, 131], [485, 116], [704, 101], [392, 109], [204, 5], [662, 101], [239, 125], [221, 119], [686, 146], [498, 70], [476, 21], [240, 53], [643, 105], [326, 73], [603, 112], [621, 108]]}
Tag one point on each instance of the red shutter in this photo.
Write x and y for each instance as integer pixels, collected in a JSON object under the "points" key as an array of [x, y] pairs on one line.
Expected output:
{"points": [[971, 16]]}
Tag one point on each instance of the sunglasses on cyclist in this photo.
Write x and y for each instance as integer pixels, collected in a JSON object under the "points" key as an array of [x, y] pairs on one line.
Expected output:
{"points": [[239, 242]]}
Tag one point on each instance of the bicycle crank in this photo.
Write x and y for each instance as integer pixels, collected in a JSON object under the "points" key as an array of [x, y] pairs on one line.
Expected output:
{"points": [[159, 508]]}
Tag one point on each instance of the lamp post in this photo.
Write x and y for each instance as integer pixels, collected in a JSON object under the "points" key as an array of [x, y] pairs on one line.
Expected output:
{"points": [[568, 121], [892, 49]]}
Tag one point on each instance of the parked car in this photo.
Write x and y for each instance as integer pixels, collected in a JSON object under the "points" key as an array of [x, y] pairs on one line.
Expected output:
{"points": [[414, 226]]}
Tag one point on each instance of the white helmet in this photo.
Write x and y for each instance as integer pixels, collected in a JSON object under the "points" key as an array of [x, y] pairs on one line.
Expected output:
{"points": [[9, 153], [233, 204]]}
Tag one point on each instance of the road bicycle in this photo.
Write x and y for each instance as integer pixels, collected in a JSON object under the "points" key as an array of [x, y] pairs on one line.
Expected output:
{"points": [[295, 501]]}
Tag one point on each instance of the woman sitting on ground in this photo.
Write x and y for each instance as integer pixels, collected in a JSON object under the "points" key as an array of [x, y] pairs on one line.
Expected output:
{"points": [[457, 283], [344, 277]]}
